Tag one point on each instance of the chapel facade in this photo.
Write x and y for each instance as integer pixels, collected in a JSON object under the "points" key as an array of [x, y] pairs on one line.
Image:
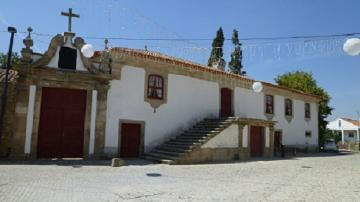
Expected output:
{"points": [[135, 103]]}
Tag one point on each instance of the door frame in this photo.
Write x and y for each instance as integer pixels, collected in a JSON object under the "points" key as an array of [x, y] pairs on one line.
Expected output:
{"points": [[231, 99], [37, 119], [142, 135], [262, 141]]}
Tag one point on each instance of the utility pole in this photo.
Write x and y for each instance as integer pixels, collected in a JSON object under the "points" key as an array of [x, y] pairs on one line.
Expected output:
{"points": [[12, 30]]}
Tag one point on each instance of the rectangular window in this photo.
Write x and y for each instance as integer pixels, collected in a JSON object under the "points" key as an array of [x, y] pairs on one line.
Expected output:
{"points": [[351, 135], [269, 104], [288, 107], [308, 134], [307, 111], [155, 87]]}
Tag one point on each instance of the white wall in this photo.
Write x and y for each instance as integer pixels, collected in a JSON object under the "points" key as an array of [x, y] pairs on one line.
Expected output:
{"points": [[249, 104], [189, 100], [228, 138], [334, 125]]}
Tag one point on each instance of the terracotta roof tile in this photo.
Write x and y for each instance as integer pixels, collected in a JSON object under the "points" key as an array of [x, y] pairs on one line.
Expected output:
{"points": [[354, 122], [185, 63], [13, 75]]}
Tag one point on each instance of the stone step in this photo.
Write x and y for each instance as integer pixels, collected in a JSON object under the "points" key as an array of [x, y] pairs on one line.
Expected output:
{"points": [[191, 137], [170, 153], [162, 156], [204, 131], [181, 145], [185, 141], [164, 161], [174, 149]]}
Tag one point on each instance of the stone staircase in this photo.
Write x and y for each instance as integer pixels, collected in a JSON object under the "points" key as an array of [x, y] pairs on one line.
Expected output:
{"points": [[173, 150]]}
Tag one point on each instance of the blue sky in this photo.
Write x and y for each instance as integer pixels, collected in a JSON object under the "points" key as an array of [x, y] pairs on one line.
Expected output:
{"points": [[337, 72]]}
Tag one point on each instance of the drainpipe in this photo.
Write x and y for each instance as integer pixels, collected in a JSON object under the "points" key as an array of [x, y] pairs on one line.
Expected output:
{"points": [[12, 30]]}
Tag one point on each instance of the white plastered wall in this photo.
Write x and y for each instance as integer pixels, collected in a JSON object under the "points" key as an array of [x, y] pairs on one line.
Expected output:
{"points": [[228, 138], [249, 104], [189, 100]]}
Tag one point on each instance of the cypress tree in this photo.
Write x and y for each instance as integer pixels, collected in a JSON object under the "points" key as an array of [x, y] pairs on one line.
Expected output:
{"points": [[235, 64], [217, 48]]}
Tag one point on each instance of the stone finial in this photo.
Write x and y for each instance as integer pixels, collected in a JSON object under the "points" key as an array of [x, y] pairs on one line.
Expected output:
{"points": [[26, 52], [29, 29], [28, 42]]}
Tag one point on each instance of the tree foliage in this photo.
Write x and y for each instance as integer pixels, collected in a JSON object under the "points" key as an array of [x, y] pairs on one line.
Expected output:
{"points": [[217, 48], [305, 82], [235, 64], [15, 59]]}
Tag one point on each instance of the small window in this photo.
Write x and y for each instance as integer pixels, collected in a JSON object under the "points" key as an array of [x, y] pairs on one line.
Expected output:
{"points": [[307, 134], [351, 135], [307, 111], [288, 107], [269, 104], [155, 87]]}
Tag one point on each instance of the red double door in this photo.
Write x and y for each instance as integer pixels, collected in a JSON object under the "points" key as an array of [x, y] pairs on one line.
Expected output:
{"points": [[61, 129], [256, 141]]}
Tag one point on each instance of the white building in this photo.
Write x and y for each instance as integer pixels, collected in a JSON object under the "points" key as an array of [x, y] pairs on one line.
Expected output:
{"points": [[133, 103], [348, 129]]}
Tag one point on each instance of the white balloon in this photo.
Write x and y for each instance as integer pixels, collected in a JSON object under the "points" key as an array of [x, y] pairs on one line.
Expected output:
{"points": [[257, 87], [352, 46], [88, 50]]}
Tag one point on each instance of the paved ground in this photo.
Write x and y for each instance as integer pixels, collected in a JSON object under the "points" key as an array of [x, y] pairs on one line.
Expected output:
{"points": [[317, 178]]}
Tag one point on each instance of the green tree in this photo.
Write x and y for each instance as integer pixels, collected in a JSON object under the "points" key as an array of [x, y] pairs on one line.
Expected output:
{"points": [[235, 64], [15, 59], [217, 48], [305, 82]]}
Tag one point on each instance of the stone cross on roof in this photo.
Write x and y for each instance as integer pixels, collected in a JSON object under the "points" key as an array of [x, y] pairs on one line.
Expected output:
{"points": [[70, 14]]}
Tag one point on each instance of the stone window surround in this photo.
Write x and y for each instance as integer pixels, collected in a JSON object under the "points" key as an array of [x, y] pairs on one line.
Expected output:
{"points": [[307, 118], [162, 86], [269, 116], [154, 102], [288, 117]]}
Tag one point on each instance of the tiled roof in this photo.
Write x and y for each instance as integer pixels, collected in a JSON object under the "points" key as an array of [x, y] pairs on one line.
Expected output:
{"points": [[185, 63], [354, 122], [13, 75]]}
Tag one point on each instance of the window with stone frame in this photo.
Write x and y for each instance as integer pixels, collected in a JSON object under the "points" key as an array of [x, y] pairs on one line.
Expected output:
{"points": [[155, 87], [288, 107], [307, 111], [269, 104]]}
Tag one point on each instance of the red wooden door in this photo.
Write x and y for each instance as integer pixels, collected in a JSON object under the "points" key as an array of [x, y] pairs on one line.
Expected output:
{"points": [[130, 140], [256, 141], [226, 103], [61, 129], [277, 140]]}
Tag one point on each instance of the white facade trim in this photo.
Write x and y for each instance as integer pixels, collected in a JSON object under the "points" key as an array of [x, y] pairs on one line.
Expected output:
{"points": [[93, 122], [267, 137], [245, 137], [30, 119]]}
